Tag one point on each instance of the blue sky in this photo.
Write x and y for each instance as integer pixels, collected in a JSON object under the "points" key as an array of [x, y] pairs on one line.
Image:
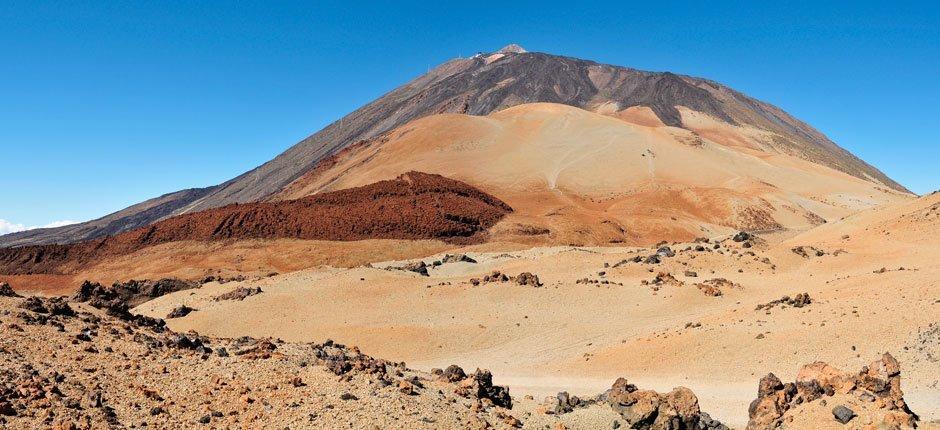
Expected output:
{"points": [[105, 104]]}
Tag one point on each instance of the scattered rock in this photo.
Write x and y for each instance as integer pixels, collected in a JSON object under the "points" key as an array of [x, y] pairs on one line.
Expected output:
{"points": [[480, 386], [239, 293], [647, 409], [807, 251], [797, 301], [528, 279], [457, 258], [713, 287], [777, 402], [664, 278], [843, 414], [741, 236], [418, 267], [132, 293], [496, 276], [48, 305], [7, 291], [179, 312]]}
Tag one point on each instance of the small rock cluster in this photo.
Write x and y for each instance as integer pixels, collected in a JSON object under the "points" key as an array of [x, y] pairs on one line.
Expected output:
{"points": [[524, 278], [807, 251], [797, 301], [877, 387], [563, 403], [478, 386], [457, 258], [647, 409], [421, 268], [418, 267], [713, 287], [64, 366], [662, 278], [179, 312], [132, 292], [597, 281], [7, 291], [240, 293]]}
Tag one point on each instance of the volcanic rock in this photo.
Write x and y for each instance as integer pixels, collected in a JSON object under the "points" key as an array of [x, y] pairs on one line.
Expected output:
{"points": [[647, 409], [526, 278], [239, 293], [7, 291], [480, 386], [880, 381], [457, 258], [843, 414], [179, 312]]}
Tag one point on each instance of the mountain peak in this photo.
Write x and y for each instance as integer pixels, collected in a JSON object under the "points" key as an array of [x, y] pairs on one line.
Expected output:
{"points": [[512, 48]]}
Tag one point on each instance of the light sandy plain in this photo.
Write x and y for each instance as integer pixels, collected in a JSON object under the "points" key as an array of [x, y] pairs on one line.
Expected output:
{"points": [[580, 337]]}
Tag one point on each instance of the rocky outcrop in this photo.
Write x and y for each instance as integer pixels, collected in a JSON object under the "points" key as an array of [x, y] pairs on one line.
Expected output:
{"points": [[797, 301], [240, 293], [528, 279], [65, 368], [524, 279], [875, 391], [179, 312], [714, 287], [480, 386], [647, 409], [132, 293], [807, 251], [662, 279], [7, 291], [457, 258]]}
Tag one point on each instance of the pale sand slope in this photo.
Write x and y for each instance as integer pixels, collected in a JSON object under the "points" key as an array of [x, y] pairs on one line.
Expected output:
{"points": [[580, 337], [623, 177], [249, 258]]}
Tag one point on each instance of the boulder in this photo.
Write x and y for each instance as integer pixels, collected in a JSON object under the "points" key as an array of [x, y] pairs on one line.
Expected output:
{"points": [[457, 258], [878, 385], [843, 414], [240, 293], [480, 386], [418, 267], [48, 305], [528, 279], [179, 312], [647, 409]]}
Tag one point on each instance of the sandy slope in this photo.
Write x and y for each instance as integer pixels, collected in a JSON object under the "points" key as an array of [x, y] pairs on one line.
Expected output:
{"points": [[251, 258], [579, 337], [623, 177]]}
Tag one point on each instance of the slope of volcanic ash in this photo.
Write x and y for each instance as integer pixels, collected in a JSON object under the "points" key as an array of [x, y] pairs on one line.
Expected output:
{"points": [[413, 206]]}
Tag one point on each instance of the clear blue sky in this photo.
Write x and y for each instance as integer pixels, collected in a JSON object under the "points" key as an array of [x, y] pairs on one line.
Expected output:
{"points": [[105, 104]]}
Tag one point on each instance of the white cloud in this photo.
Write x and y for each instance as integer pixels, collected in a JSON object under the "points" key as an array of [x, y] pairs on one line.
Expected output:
{"points": [[9, 227]]}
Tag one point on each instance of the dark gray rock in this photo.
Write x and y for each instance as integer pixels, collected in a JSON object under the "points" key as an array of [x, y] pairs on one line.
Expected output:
{"points": [[843, 414]]}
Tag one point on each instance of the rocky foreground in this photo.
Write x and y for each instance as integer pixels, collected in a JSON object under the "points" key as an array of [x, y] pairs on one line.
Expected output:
{"points": [[87, 362], [70, 365]]}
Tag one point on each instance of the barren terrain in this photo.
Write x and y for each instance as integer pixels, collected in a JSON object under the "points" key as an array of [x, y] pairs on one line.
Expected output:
{"points": [[595, 318]]}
